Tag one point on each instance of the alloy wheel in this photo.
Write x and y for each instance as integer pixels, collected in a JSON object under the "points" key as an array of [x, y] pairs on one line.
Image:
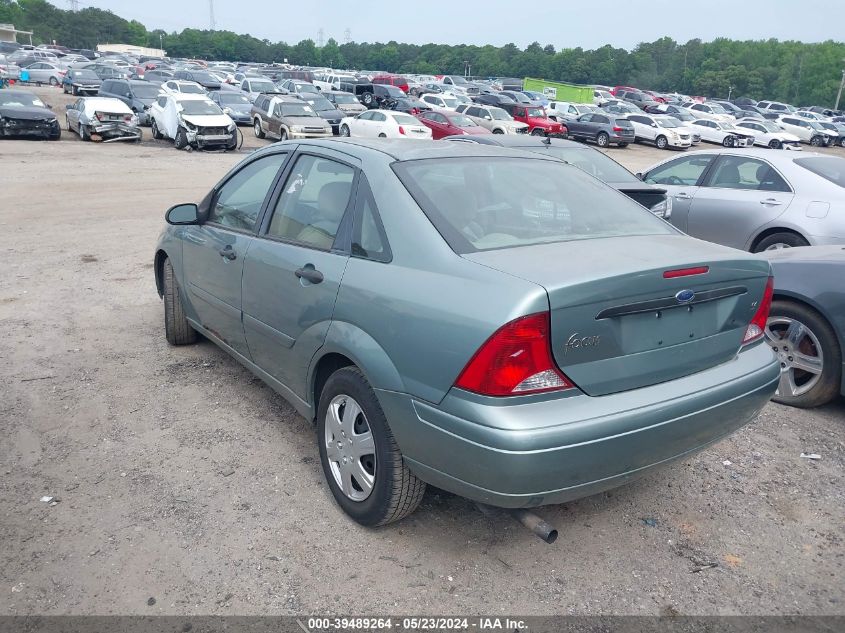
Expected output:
{"points": [[350, 448], [799, 353], [777, 246]]}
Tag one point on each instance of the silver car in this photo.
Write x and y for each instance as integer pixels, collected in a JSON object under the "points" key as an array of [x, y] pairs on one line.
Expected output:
{"points": [[754, 199], [46, 73]]}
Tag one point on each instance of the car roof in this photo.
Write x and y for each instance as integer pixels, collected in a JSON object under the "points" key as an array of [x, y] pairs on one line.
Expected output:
{"points": [[516, 140], [188, 96]]}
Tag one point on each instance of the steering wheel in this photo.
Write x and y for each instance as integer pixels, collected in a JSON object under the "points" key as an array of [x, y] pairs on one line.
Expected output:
{"points": [[671, 180]]}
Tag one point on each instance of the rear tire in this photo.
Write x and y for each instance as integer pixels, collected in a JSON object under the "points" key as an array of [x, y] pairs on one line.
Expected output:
{"points": [[498, 131], [602, 139], [395, 491], [176, 327], [622, 145], [780, 240], [83, 133], [661, 142], [828, 383], [344, 131], [283, 135], [54, 82], [382, 135], [367, 99], [155, 131]]}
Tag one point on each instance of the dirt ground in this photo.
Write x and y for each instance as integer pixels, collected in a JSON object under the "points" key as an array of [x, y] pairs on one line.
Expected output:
{"points": [[186, 486]]}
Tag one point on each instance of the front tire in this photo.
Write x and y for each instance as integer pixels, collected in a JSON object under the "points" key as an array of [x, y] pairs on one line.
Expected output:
{"points": [[361, 461], [181, 140], [176, 327], [661, 142], [816, 141], [283, 135], [344, 131], [602, 139], [256, 128], [728, 141], [809, 353], [774, 144], [777, 241], [155, 131], [537, 132], [498, 131]]}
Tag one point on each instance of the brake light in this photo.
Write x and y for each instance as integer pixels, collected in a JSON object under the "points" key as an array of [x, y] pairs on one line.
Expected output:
{"points": [[617, 128], [757, 327], [401, 130], [685, 272], [516, 360]]}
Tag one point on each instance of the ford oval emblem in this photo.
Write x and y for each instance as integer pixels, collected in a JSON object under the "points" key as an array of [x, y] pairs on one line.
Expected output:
{"points": [[685, 296]]}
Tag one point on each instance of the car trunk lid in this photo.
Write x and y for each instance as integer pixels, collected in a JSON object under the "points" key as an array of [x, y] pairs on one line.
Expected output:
{"points": [[621, 319]]}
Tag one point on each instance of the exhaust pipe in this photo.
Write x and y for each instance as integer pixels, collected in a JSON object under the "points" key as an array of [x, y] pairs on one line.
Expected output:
{"points": [[537, 525]]}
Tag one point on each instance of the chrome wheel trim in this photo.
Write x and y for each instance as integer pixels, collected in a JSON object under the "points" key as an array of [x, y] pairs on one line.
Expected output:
{"points": [[799, 353], [777, 246], [350, 448]]}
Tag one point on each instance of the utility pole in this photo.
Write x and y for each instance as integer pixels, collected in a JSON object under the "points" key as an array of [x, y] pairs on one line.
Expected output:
{"points": [[347, 36], [321, 35], [74, 5], [211, 19], [839, 94]]}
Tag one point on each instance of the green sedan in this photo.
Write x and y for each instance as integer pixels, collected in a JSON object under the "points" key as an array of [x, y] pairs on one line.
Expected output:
{"points": [[495, 323]]}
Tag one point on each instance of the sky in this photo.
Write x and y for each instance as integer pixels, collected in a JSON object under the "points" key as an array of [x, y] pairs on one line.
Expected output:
{"points": [[562, 23]]}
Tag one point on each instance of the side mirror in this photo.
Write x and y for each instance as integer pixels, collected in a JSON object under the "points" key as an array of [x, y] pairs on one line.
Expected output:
{"points": [[182, 214], [639, 175]]}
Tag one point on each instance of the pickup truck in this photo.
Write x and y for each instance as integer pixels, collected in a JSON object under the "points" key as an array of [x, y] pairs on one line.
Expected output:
{"points": [[331, 81]]}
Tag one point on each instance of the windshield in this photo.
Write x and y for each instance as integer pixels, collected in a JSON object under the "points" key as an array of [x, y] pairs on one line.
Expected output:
{"points": [[480, 204], [669, 123], [261, 86], [404, 119], [20, 100], [199, 107], [393, 91], [535, 112], [450, 102], [320, 104], [206, 77], [145, 90], [307, 88], [770, 127], [84, 74], [297, 109], [345, 99], [460, 120], [458, 80], [191, 89], [830, 168], [815, 125], [715, 107], [520, 98], [593, 162], [230, 98], [500, 115], [683, 116]]}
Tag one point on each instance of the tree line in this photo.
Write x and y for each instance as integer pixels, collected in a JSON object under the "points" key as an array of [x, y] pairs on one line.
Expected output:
{"points": [[790, 71]]}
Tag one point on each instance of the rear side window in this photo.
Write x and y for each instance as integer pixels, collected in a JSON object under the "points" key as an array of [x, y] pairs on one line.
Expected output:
{"points": [[830, 168], [368, 239], [480, 204], [739, 172]]}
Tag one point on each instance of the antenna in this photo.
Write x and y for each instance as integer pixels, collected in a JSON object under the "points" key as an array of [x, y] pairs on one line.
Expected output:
{"points": [[211, 19], [347, 36], [320, 37], [74, 5]]}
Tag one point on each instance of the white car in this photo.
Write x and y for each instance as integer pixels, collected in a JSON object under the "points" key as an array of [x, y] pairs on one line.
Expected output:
{"points": [[664, 131], [384, 124], [812, 116], [600, 97], [835, 128], [177, 87], [684, 127], [442, 101], [712, 111], [563, 110], [331, 81], [494, 119], [192, 120], [725, 134], [769, 134], [810, 132], [253, 87], [462, 98]]}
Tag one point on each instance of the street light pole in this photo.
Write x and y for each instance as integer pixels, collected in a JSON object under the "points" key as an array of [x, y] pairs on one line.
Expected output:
{"points": [[839, 94]]}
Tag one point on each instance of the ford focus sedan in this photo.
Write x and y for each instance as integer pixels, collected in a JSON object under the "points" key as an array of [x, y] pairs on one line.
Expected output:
{"points": [[495, 323]]}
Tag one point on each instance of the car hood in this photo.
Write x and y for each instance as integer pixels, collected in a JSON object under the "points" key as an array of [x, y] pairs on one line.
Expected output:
{"points": [[307, 121], [208, 120], [240, 108], [87, 81], [331, 115], [27, 114]]}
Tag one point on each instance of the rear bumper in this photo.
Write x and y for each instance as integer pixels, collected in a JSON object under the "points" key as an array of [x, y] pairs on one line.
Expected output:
{"points": [[554, 450], [116, 131], [622, 138]]}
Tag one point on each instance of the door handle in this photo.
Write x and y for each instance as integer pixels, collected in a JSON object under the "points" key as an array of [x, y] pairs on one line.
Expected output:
{"points": [[771, 202], [309, 273], [683, 196], [228, 253]]}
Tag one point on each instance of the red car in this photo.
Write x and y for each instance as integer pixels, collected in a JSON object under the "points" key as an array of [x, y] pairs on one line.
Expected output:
{"points": [[656, 96], [625, 88], [535, 117], [450, 124], [392, 80]]}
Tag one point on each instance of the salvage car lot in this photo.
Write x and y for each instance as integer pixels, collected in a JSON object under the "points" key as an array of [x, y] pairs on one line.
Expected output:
{"points": [[182, 478]]}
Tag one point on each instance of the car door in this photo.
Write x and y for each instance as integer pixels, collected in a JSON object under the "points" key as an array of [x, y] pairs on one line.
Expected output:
{"points": [[213, 253], [581, 127], [642, 127], [73, 115], [294, 267], [438, 124], [359, 125], [739, 195], [681, 177]]}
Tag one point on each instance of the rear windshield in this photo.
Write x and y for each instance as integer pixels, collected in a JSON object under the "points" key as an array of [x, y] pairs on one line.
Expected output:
{"points": [[593, 162], [481, 204], [830, 168], [404, 119]]}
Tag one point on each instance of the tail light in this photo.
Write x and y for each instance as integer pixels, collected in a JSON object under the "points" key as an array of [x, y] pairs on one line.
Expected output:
{"points": [[516, 360], [401, 130], [616, 128], [128, 118], [757, 327]]}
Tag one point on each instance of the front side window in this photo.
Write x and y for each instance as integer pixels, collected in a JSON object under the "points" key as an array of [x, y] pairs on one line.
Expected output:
{"points": [[239, 200], [313, 202], [739, 172], [682, 171], [480, 204]]}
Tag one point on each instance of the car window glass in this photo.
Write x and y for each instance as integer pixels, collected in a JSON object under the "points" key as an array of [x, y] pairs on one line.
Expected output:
{"points": [[682, 171], [368, 240], [313, 202], [378, 116], [740, 172], [586, 118], [239, 200]]}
